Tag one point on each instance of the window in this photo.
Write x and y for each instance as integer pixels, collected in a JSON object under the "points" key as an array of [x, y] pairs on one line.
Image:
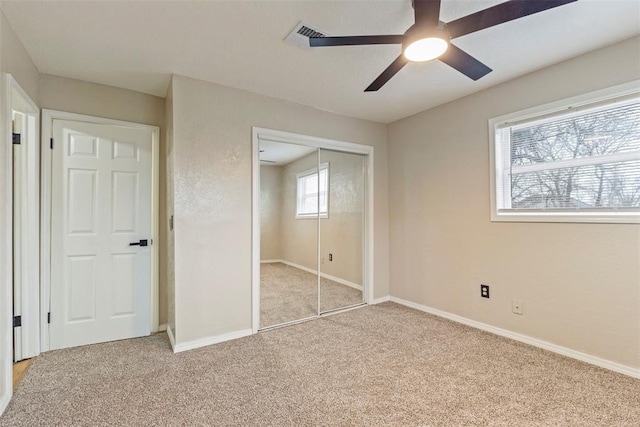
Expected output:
{"points": [[574, 161], [310, 192]]}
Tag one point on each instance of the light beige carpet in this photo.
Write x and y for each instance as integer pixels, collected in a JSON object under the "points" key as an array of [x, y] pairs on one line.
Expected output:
{"points": [[374, 366], [288, 293]]}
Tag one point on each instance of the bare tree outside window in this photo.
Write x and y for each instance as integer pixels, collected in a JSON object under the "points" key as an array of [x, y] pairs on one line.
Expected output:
{"points": [[585, 160]]}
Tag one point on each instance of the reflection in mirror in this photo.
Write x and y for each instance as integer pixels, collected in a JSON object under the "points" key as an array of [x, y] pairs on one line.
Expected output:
{"points": [[288, 233], [341, 231], [309, 199]]}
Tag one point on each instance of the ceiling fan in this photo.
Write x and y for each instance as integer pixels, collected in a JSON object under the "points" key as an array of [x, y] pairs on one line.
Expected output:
{"points": [[429, 38]]}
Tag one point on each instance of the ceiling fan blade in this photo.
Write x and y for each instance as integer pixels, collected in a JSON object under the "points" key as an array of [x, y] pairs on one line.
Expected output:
{"points": [[427, 12], [499, 14], [465, 63], [354, 40], [386, 75]]}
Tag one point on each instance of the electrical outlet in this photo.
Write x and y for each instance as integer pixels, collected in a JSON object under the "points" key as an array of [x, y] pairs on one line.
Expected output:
{"points": [[517, 306], [484, 291], [330, 257]]}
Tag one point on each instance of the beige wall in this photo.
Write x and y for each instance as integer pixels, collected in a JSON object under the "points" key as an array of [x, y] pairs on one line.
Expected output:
{"points": [[340, 233], [15, 60], [212, 174], [580, 282], [299, 236], [270, 212], [76, 96]]}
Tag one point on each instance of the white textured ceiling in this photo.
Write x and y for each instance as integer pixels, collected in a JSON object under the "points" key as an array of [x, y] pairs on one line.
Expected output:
{"points": [[280, 154], [139, 44]]}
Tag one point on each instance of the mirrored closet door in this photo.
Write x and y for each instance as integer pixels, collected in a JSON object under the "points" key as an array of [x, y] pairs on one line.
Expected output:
{"points": [[341, 230], [288, 233], [311, 232]]}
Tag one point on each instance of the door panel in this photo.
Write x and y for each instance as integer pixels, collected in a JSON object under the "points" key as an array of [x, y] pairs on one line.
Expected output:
{"points": [[125, 202], [101, 202], [82, 288], [342, 231], [288, 233], [83, 146], [82, 199], [123, 298]]}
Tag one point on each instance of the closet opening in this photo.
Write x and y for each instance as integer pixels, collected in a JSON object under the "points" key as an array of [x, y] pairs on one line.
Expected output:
{"points": [[312, 227]]}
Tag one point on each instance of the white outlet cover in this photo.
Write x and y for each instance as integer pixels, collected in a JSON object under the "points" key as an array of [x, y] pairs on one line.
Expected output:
{"points": [[517, 306]]}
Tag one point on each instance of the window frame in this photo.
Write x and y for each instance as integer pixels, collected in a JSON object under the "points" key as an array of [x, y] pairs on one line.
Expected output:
{"points": [[498, 154], [299, 197]]}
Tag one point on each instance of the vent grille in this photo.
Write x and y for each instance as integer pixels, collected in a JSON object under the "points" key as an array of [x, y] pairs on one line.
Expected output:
{"points": [[309, 32], [300, 35]]}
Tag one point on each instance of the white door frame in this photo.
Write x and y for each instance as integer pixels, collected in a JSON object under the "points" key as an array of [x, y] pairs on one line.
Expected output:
{"points": [[23, 103], [48, 116], [316, 142]]}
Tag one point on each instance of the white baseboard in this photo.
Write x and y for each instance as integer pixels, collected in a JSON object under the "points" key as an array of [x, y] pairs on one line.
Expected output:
{"points": [[269, 261], [381, 300], [341, 281], [203, 342], [597, 361], [162, 328], [172, 339], [4, 402], [323, 275]]}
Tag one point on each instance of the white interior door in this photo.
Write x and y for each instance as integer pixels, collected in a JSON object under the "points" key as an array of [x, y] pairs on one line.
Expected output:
{"points": [[101, 204], [17, 239], [26, 225]]}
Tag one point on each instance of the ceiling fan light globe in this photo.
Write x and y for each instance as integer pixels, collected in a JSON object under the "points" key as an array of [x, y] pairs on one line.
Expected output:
{"points": [[425, 49]]}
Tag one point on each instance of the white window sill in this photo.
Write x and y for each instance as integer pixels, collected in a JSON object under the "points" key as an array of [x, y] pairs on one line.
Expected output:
{"points": [[311, 216], [587, 217]]}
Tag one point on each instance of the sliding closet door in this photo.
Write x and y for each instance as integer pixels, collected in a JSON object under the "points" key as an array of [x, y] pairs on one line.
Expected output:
{"points": [[288, 233], [342, 185]]}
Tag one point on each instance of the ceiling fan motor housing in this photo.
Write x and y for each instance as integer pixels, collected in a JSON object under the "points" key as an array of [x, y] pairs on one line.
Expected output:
{"points": [[417, 32], [425, 42]]}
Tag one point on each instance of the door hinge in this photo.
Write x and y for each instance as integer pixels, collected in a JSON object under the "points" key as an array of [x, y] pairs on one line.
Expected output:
{"points": [[51, 142], [49, 317], [17, 321], [16, 139]]}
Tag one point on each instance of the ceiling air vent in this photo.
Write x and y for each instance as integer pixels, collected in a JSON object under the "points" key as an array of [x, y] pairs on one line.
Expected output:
{"points": [[301, 33]]}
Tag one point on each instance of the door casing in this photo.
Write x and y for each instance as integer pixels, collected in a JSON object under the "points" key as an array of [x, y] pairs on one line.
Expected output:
{"points": [[48, 116]]}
